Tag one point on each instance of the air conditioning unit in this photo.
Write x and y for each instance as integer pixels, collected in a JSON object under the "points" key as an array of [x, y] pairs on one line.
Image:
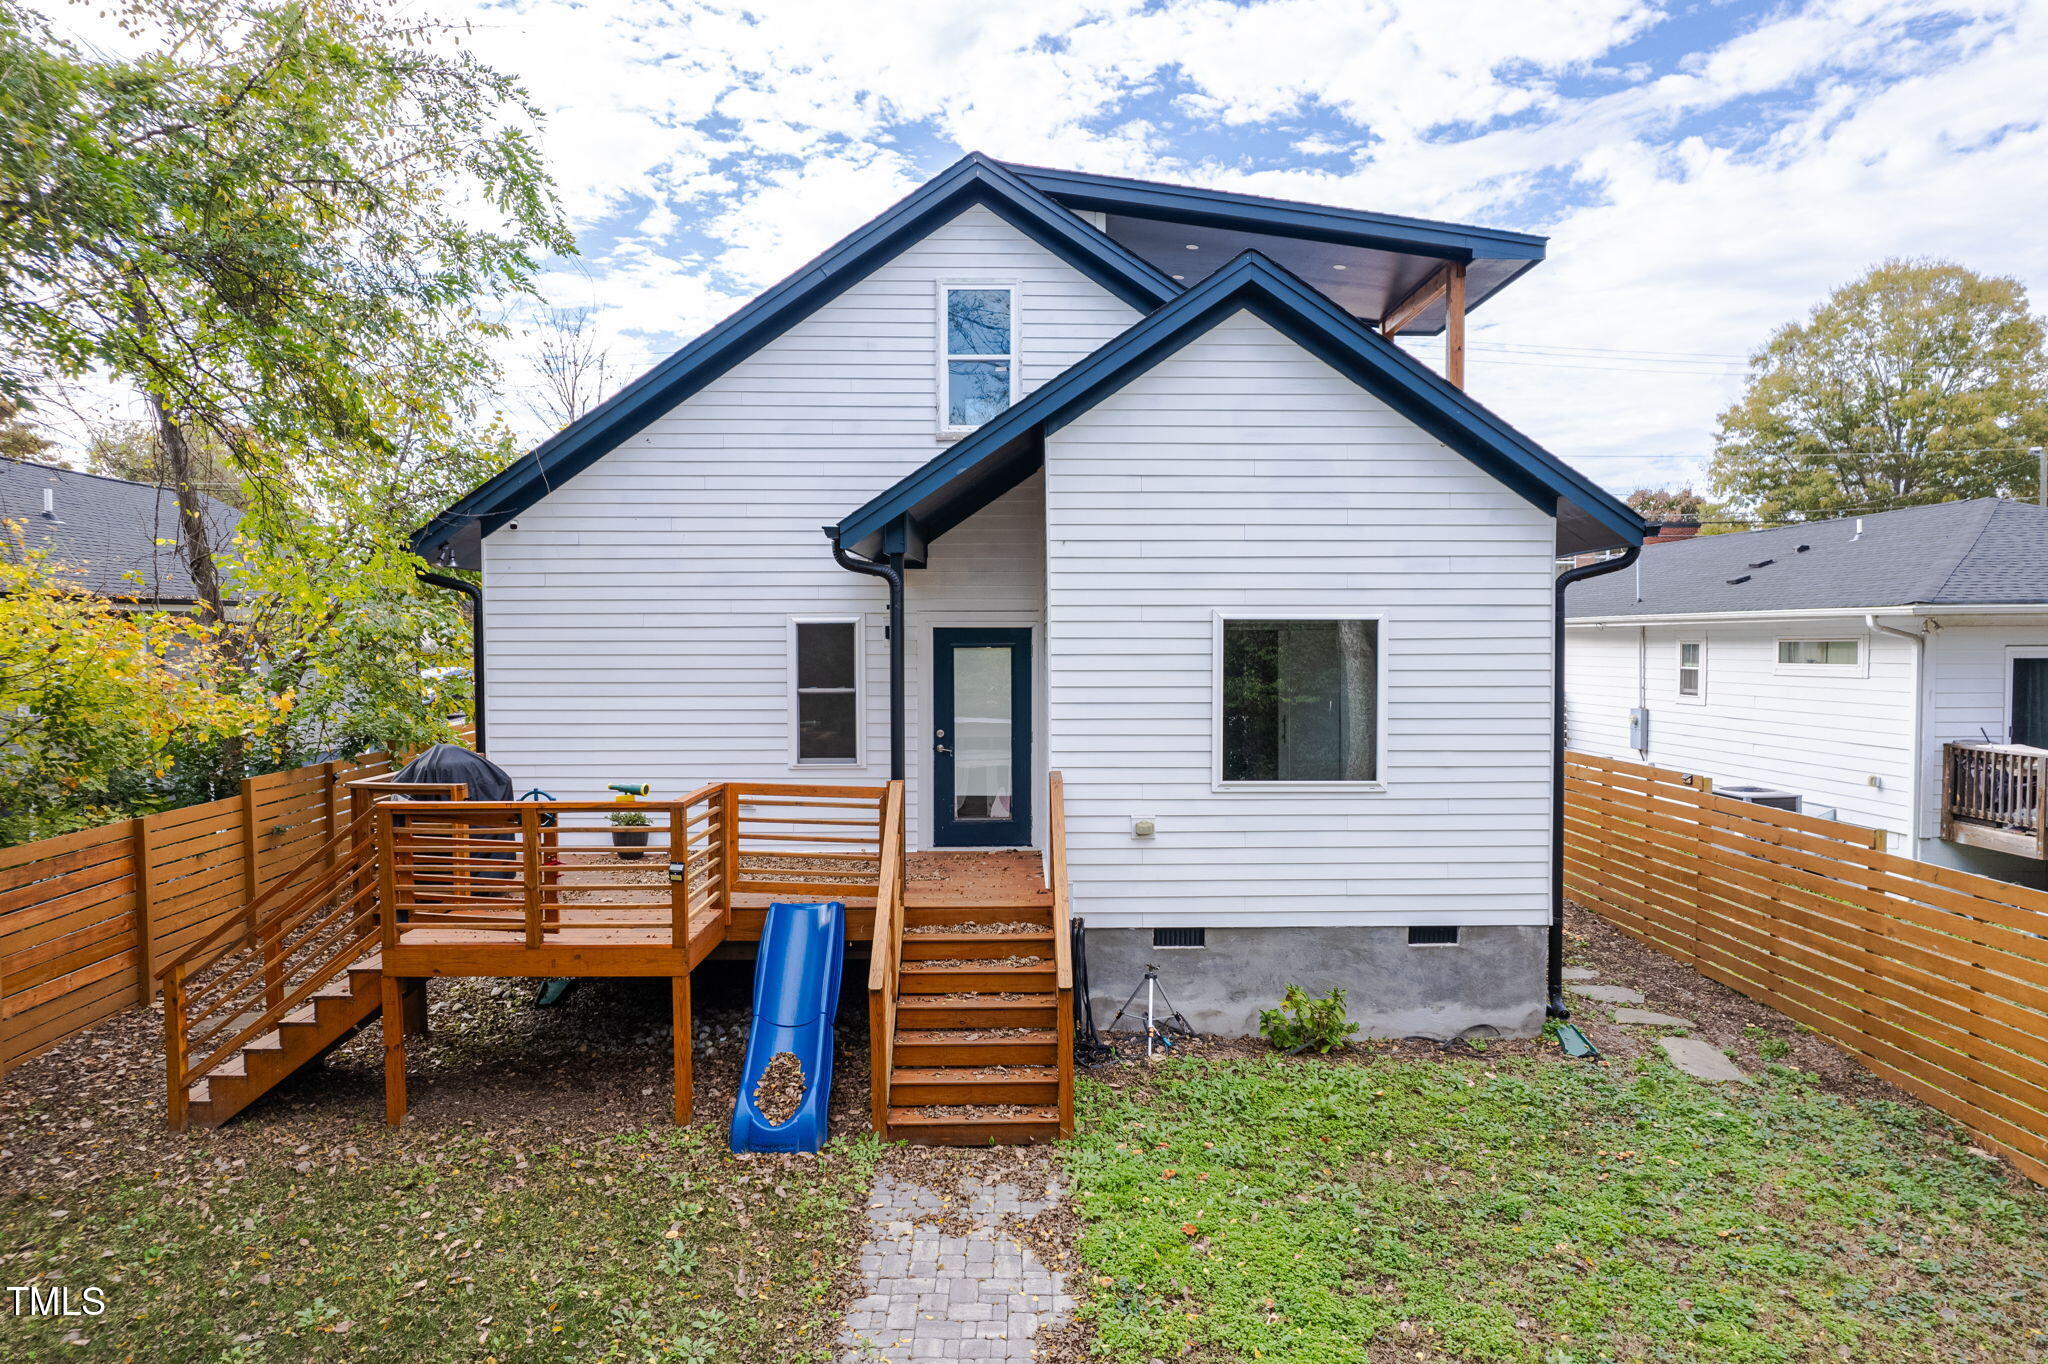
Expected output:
{"points": [[1762, 795]]}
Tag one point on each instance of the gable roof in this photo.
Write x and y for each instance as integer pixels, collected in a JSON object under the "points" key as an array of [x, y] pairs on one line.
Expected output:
{"points": [[974, 179], [1003, 451], [1982, 552], [1368, 262], [106, 529]]}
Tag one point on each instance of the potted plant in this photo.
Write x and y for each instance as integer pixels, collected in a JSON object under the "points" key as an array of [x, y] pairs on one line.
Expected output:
{"points": [[629, 834]]}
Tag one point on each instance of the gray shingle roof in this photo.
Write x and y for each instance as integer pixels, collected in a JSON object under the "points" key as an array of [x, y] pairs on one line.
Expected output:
{"points": [[108, 528], [1981, 552]]}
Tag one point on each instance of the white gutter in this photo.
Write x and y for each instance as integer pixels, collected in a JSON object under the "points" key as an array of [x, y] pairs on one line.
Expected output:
{"points": [[1923, 611], [1918, 765]]}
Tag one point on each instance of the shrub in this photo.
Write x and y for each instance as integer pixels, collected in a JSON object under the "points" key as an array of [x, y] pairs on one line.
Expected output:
{"points": [[629, 819], [1304, 1022]]}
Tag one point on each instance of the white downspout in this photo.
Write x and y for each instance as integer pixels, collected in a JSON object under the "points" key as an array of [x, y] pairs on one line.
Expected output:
{"points": [[1919, 759], [1643, 679]]}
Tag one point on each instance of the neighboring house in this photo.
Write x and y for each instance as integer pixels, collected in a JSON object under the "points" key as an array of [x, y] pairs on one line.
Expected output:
{"points": [[1176, 520], [119, 538], [1838, 660]]}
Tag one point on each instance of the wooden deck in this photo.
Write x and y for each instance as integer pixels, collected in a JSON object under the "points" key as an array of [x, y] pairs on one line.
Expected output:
{"points": [[435, 886]]}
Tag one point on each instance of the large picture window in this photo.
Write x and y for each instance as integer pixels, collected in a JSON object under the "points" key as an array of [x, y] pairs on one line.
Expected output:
{"points": [[825, 667], [1298, 701], [978, 354]]}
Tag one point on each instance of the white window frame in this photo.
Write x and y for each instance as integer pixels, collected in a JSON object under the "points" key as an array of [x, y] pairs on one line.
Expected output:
{"points": [[1380, 755], [2014, 653], [1699, 698], [1860, 668], [860, 707], [1016, 356]]}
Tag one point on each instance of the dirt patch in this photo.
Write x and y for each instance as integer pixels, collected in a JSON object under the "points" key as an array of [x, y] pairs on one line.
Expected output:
{"points": [[976, 963], [779, 1093], [1756, 1035], [1011, 927]]}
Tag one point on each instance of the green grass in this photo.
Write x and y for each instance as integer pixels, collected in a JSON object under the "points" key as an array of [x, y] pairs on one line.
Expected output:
{"points": [[653, 1246], [1504, 1209]]}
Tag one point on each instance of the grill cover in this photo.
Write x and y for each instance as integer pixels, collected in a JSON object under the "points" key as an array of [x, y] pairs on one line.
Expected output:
{"points": [[452, 763]]}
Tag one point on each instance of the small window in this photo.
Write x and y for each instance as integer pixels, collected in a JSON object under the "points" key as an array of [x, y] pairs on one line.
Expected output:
{"points": [[1692, 669], [978, 355], [1819, 653], [825, 690], [1298, 701]]}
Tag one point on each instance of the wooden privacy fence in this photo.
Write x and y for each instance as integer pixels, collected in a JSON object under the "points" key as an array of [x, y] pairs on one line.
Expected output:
{"points": [[87, 919], [1935, 979]]}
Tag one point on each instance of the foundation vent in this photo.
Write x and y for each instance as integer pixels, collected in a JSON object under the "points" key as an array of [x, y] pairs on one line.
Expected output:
{"points": [[1180, 937], [1433, 935]]}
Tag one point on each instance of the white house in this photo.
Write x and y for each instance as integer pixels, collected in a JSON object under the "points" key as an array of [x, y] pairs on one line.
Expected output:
{"points": [[1891, 669], [1156, 504]]}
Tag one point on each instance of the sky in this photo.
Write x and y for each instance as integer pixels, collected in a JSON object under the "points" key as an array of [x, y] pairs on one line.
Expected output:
{"points": [[1706, 172]]}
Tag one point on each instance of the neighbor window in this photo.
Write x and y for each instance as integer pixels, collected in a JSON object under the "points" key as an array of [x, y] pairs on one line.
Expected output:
{"points": [[1819, 653], [1692, 668], [978, 360], [1298, 700], [825, 690]]}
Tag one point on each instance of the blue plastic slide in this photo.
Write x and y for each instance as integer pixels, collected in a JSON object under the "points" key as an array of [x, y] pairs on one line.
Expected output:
{"points": [[796, 993]]}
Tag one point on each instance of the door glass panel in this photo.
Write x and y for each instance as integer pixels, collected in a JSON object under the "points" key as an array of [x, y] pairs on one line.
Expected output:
{"points": [[2030, 702], [984, 713]]}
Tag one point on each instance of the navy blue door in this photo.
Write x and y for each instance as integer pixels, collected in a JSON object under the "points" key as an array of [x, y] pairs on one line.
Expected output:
{"points": [[2030, 702], [981, 738]]}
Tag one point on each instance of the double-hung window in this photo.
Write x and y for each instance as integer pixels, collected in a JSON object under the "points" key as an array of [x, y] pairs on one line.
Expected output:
{"points": [[977, 354], [824, 691], [1692, 669], [1298, 701]]}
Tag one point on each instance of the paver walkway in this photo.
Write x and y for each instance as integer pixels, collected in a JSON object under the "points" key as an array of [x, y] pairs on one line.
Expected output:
{"points": [[941, 1279]]}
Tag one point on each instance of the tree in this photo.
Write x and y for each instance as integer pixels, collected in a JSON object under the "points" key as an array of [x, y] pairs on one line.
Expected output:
{"points": [[132, 451], [1670, 504], [18, 439], [1921, 382], [573, 368], [96, 702], [261, 223]]}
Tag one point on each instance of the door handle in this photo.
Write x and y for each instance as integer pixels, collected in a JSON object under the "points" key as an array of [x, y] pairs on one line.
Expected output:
{"points": [[940, 748]]}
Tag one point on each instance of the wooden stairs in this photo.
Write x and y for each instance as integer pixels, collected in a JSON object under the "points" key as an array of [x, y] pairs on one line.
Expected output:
{"points": [[971, 1004], [328, 1017]]}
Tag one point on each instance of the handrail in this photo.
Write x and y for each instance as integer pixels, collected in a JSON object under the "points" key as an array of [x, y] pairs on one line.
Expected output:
{"points": [[885, 950], [1062, 940]]}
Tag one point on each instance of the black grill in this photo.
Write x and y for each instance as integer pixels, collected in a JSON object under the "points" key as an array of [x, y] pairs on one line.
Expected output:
{"points": [[1433, 935], [1180, 937]]}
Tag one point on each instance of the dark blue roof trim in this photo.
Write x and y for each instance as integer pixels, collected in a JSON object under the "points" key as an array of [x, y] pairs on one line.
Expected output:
{"points": [[949, 488], [1285, 217], [975, 179]]}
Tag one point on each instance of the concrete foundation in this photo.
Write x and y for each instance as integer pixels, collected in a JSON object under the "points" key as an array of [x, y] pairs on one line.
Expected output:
{"points": [[1492, 976]]}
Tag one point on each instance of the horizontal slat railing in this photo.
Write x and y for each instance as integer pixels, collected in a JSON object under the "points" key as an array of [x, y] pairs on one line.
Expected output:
{"points": [[1935, 979]]}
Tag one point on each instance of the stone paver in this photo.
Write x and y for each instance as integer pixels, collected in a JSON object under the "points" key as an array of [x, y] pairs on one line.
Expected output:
{"points": [[1702, 1060], [1649, 1018], [927, 1294], [1608, 994], [1580, 973]]}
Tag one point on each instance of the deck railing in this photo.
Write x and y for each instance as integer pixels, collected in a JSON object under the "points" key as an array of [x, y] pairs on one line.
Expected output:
{"points": [[1062, 939], [885, 955], [240, 980], [1996, 796]]}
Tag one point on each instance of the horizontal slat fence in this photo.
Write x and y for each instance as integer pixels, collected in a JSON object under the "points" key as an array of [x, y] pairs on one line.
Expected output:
{"points": [[1935, 979], [87, 918]]}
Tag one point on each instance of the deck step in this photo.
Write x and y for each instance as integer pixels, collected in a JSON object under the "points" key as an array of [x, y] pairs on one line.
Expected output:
{"points": [[1029, 1010], [933, 915], [993, 977], [955, 1126], [930, 946], [914, 1085], [968, 1047]]}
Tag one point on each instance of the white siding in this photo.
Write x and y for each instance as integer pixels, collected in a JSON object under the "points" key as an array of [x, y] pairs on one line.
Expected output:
{"points": [[1824, 737], [1243, 472], [637, 613], [1969, 671]]}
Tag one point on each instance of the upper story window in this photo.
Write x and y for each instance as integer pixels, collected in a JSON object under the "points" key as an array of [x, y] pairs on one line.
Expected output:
{"points": [[978, 354], [1298, 701]]}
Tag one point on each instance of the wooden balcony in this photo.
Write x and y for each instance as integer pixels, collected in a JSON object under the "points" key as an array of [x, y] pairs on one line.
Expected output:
{"points": [[1996, 796]]}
